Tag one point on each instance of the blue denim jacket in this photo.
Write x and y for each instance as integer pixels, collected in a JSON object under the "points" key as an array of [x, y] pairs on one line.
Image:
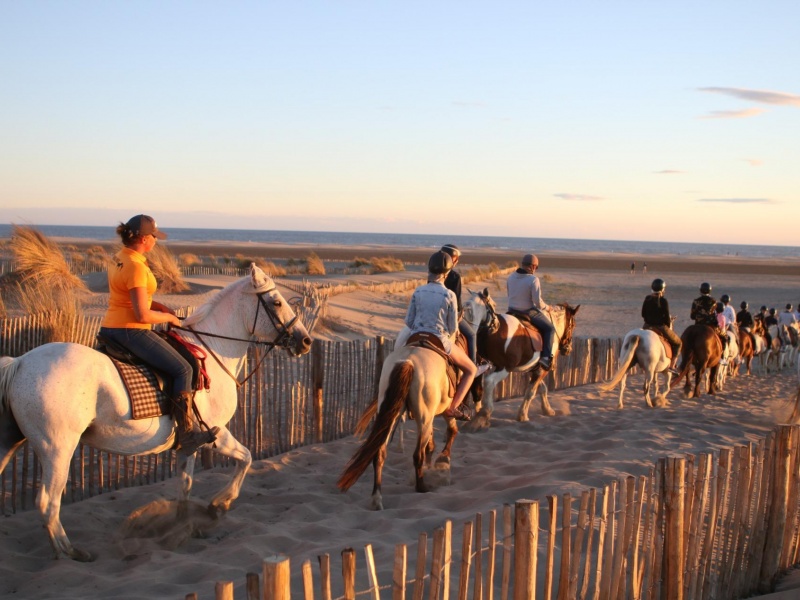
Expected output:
{"points": [[433, 309]]}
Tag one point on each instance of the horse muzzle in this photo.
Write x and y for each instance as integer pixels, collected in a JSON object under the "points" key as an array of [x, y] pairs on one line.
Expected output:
{"points": [[299, 343]]}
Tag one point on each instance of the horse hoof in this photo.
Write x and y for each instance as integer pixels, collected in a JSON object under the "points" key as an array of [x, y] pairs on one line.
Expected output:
{"points": [[215, 511], [377, 504], [81, 555], [443, 461], [422, 488]]}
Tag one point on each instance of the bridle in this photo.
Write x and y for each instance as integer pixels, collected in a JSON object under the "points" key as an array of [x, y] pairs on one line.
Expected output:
{"points": [[283, 340], [489, 320]]}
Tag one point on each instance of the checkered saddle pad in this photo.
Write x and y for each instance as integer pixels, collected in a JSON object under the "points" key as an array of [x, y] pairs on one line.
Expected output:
{"points": [[147, 399]]}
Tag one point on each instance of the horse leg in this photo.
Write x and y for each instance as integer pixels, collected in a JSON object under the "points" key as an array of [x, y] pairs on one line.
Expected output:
{"points": [[227, 445], [377, 467], [482, 418], [698, 375], [622, 384], [54, 479], [424, 442], [648, 381], [452, 432]]}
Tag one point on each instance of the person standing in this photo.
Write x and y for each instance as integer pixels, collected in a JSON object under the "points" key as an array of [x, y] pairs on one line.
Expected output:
{"points": [[130, 317], [433, 309], [655, 312], [525, 296]]}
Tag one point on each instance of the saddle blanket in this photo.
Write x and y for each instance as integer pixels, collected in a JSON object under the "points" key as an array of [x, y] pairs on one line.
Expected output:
{"points": [[423, 339], [147, 399]]}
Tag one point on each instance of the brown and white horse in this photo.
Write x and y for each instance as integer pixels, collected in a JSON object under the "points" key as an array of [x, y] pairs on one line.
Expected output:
{"points": [[503, 341]]}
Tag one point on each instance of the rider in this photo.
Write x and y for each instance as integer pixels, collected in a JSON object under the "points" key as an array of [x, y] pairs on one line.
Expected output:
{"points": [[130, 317], [525, 296], [703, 307], [730, 314], [722, 328], [787, 317], [743, 318], [433, 309], [453, 283], [655, 312]]}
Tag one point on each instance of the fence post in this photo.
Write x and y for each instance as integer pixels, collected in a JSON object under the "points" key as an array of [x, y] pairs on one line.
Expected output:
{"points": [[380, 355], [776, 509], [318, 374], [674, 488], [526, 538], [276, 578]]}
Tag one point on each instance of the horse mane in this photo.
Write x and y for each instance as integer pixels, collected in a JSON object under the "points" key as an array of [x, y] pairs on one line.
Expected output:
{"points": [[207, 308]]}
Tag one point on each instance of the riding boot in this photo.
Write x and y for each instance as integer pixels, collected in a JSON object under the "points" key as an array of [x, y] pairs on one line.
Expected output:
{"points": [[190, 436], [545, 362]]}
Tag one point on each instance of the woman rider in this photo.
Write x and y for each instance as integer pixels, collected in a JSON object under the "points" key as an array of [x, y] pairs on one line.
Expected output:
{"points": [[433, 309], [130, 317], [655, 312]]}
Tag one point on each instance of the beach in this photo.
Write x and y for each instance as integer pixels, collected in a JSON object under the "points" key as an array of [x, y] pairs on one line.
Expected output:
{"points": [[290, 504]]}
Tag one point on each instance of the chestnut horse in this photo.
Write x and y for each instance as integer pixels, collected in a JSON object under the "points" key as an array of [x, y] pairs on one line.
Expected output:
{"points": [[503, 341], [702, 349], [746, 349]]}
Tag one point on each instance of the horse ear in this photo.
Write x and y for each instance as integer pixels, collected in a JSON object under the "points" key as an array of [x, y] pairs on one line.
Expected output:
{"points": [[486, 292], [576, 309], [258, 278]]}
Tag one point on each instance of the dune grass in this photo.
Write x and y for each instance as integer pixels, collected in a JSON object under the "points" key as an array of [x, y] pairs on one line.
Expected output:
{"points": [[164, 266]]}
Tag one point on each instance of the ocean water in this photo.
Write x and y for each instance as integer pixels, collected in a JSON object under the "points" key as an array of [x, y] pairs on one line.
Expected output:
{"points": [[541, 245]]}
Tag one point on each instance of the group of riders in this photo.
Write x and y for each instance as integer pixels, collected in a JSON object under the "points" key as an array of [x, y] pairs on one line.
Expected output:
{"points": [[719, 315]]}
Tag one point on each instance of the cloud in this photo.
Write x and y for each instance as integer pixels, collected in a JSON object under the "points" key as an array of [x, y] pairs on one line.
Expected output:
{"points": [[579, 197], [462, 104], [667, 172], [739, 200], [754, 162], [734, 114], [762, 96]]}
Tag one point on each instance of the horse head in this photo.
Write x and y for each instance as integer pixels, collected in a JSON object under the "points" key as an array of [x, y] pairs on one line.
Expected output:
{"points": [[480, 310], [567, 327]]}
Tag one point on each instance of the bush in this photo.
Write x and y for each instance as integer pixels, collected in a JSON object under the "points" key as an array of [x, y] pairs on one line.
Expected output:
{"points": [[188, 260], [387, 264], [270, 268], [314, 265]]}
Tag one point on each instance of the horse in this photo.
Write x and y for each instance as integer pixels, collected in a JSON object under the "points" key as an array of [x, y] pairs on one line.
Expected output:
{"points": [[702, 349], [760, 345], [502, 340], [746, 349], [645, 348], [729, 363], [780, 346], [413, 379], [60, 394]]}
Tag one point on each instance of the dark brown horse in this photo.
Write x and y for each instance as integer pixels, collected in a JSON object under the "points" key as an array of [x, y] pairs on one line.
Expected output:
{"points": [[506, 342], [746, 349], [702, 349]]}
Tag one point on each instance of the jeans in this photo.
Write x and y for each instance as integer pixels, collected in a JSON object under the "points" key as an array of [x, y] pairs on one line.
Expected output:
{"points": [[156, 352], [545, 327], [470, 337]]}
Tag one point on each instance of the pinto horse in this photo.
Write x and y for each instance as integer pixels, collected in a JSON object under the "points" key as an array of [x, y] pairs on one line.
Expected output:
{"points": [[702, 349], [58, 395], [746, 349], [645, 348], [502, 340], [413, 379]]}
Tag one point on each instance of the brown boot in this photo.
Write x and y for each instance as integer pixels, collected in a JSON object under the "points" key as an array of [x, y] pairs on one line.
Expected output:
{"points": [[190, 436]]}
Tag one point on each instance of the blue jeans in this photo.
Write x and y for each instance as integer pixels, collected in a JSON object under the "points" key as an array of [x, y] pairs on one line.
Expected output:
{"points": [[545, 327], [472, 350], [156, 352]]}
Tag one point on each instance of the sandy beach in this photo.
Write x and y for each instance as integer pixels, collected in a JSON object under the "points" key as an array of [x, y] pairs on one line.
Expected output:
{"points": [[290, 504]]}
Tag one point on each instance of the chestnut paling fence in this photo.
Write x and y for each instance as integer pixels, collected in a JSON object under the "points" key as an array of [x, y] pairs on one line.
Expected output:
{"points": [[711, 526]]}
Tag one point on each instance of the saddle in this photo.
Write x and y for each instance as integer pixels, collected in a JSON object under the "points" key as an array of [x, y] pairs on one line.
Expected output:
{"points": [[530, 329], [148, 388], [423, 339], [662, 338]]}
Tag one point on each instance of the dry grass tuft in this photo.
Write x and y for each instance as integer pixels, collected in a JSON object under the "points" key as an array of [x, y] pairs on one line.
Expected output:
{"points": [[189, 260], [269, 267], [387, 264], [164, 266], [314, 265]]}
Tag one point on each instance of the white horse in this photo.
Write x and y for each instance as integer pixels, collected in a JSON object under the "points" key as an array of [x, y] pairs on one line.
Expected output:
{"points": [[58, 395], [730, 359], [642, 347], [781, 344]]}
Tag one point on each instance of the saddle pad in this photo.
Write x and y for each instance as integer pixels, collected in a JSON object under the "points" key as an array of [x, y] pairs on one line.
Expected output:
{"points": [[147, 400], [422, 339]]}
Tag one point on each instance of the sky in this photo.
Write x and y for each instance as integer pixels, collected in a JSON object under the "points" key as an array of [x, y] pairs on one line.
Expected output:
{"points": [[632, 120]]}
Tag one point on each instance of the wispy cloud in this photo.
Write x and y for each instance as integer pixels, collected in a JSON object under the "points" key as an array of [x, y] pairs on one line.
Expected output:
{"points": [[753, 162], [733, 114], [762, 96], [463, 104], [579, 197], [668, 172], [739, 200]]}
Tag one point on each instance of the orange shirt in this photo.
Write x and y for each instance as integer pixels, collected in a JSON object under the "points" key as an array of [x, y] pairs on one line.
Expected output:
{"points": [[129, 271]]}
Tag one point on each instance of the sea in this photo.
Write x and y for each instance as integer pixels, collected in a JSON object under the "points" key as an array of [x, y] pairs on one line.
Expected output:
{"points": [[414, 240]]}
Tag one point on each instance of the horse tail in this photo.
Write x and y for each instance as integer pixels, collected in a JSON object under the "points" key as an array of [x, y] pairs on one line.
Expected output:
{"points": [[628, 354], [366, 418], [8, 368], [390, 410]]}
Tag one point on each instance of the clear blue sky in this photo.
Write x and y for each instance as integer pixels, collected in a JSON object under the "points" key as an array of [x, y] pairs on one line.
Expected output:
{"points": [[673, 121]]}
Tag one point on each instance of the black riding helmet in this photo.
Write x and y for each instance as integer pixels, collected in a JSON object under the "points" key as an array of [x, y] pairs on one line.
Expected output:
{"points": [[658, 285], [451, 249], [772, 311], [440, 262], [743, 305], [763, 308], [788, 307], [705, 288], [725, 298], [720, 307]]}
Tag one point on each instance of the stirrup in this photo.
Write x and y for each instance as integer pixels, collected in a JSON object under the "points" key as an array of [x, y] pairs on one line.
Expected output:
{"points": [[545, 362], [194, 440], [483, 368]]}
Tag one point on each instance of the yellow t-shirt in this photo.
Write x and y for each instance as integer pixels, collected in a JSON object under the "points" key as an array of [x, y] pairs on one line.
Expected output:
{"points": [[129, 271]]}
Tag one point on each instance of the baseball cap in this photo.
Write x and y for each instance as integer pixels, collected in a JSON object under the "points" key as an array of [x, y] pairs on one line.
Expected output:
{"points": [[145, 225]]}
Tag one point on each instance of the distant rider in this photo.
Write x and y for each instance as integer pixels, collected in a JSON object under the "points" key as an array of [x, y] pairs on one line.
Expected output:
{"points": [[787, 317], [730, 313], [655, 312], [704, 307], [722, 328], [434, 309], [525, 296], [744, 319]]}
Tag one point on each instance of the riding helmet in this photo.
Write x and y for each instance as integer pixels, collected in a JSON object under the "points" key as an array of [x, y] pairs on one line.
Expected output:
{"points": [[743, 305], [705, 288], [788, 307], [720, 307], [440, 262], [725, 298], [763, 308], [658, 285], [772, 311], [451, 249]]}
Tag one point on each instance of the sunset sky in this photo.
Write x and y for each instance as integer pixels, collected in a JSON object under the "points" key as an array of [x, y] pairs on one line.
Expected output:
{"points": [[637, 120]]}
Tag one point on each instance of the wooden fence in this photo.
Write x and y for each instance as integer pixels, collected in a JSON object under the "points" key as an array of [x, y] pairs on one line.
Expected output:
{"points": [[712, 526], [288, 403]]}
